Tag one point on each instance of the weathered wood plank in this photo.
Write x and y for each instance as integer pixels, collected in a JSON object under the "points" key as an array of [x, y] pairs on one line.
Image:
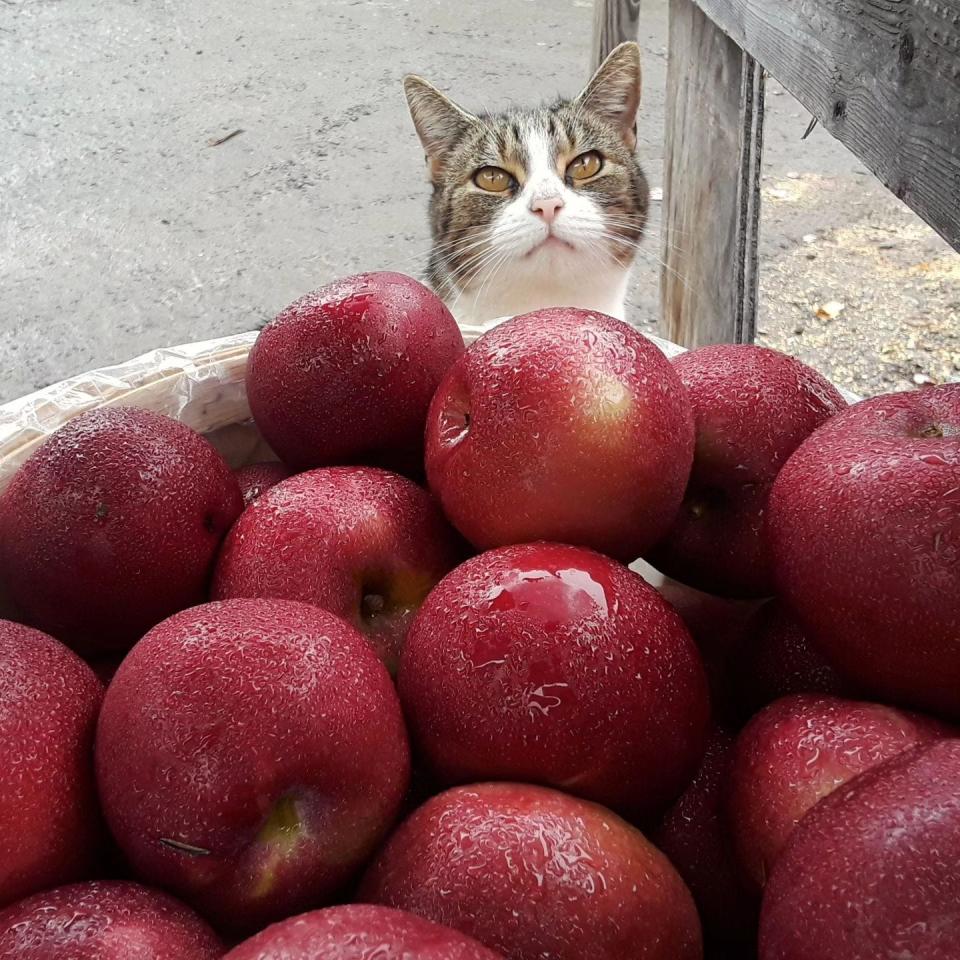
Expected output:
{"points": [[714, 120], [883, 76], [614, 22]]}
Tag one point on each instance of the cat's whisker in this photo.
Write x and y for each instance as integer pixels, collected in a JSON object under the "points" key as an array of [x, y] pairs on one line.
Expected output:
{"points": [[648, 255], [466, 267], [492, 273], [469, 272], [447, 247]]}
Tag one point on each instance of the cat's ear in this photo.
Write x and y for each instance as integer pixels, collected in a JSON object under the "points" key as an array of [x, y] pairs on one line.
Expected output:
{"points": [[614, 91], [439, 121]]}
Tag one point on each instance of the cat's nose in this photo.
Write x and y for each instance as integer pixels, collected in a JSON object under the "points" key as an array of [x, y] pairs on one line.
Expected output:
{"points": [[547, 208]]}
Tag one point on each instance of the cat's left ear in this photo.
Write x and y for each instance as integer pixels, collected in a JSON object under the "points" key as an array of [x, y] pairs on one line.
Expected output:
{"points": [[614, 91]]}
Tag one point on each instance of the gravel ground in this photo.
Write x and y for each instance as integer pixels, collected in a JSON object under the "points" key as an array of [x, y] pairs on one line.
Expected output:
{"points": [[125, 225], [874, 303]]}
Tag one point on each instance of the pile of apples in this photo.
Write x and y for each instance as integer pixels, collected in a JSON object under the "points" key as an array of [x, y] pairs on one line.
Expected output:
{"points": [[398, 695]]}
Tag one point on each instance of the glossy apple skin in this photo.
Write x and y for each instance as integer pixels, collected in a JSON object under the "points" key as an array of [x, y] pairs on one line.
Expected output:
{"points": [[105, 920], [536, 873], [695, 838], [363, 543], [864, 527], [345, 374], [113, 524], [774, 658], [753, 406], [874, 869], [360, 932], [546, 663], [50, 827], [797, 751], [563, 425], [257, 478], [265, 732]]}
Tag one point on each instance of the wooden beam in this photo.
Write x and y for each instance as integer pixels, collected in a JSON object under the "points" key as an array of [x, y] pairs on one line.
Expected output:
{"points": [[883, 76], [711, 212], [614, 22]]}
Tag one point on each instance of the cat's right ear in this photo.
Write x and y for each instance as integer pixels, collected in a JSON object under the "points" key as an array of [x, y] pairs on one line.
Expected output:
{"points": [[439, 121]]}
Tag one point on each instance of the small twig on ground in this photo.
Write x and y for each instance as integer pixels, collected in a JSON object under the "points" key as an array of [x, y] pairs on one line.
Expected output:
{"points": [[229, 136]]}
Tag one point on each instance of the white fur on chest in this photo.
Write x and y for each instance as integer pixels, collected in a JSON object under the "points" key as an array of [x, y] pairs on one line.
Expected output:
{"points": [[522, 291]]}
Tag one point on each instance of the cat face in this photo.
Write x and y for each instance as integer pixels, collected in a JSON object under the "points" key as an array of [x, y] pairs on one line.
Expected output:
{"points": [[534, 198]]}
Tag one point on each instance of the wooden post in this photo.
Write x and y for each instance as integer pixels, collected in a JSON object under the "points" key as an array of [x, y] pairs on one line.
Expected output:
{"points": [[614, 22], [714, 133], [882, 76]]}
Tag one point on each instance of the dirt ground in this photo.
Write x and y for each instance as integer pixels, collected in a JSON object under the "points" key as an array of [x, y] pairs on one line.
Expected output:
{"points": [[127, 222]]}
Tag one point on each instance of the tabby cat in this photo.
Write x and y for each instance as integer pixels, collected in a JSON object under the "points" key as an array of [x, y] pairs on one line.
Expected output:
{"points": [[535, 207]]}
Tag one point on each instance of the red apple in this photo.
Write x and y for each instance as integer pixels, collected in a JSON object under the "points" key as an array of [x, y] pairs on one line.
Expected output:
{"points": [[865, 532], [346, 373], [360, 932], [49, 819], [561, 425], [773, 658], [552, 664], [694, 836], [257, 478], [113, 524], [795, 752], [752, 406], [250, 755], [535, 873], [110, 920], [874, 869], [362, 543], [716, 625]]}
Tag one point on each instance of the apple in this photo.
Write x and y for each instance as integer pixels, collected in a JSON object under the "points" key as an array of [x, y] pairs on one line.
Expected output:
{"points": [[257, 478], [563, 425], [874, 869], [716, 625], [795, 752], [864, 528], [773, 658], [346, 373], [552, 664], [695, 838], [108, 920], [536, 873], [360, 932], [251, 755], [113, 524], [363, 543], [50, 828], [752, 407]]}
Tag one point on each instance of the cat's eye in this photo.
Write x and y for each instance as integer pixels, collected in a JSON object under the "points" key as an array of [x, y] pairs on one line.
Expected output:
{"points": [[492, 179], [585, 166]]}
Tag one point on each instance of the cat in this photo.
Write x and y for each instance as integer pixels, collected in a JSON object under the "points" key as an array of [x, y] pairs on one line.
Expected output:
{"points": [[535, 208]]}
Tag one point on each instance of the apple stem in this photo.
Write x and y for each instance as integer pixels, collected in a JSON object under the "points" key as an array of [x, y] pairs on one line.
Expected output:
{"points": [[187, 848]]}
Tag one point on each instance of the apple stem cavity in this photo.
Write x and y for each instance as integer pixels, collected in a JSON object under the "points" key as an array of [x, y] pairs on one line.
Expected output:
{"points": [[455, 416], [372, 605], [283, 823]]}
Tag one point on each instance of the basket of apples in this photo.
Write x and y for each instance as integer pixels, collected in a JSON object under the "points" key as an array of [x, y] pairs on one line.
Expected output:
{"points": [[368, 636]]}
